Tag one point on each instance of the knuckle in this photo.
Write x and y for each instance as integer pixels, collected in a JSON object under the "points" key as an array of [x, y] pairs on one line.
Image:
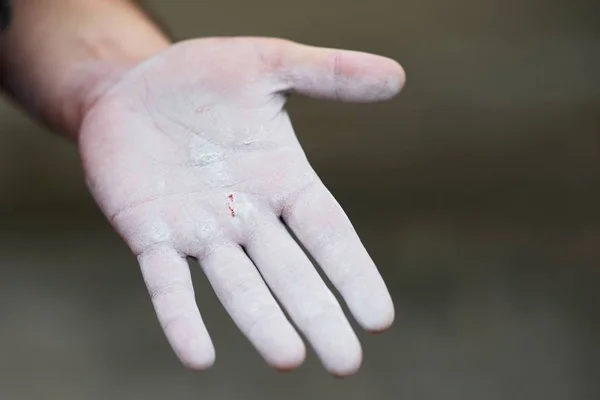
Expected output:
{"points": [[159, 292], [337, 73], [261, 322]]}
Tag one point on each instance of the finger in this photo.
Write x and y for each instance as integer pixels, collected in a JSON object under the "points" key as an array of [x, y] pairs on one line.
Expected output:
{"points": [[323, 228], [311, 305], [169, 283], [335, 74], [248, 301]]}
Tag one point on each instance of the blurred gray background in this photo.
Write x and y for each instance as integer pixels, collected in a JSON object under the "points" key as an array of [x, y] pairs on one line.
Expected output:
{"points": [[477, 192]]}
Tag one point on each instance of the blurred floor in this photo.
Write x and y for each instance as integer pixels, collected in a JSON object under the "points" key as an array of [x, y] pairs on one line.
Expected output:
{"points": [[492, 303]]}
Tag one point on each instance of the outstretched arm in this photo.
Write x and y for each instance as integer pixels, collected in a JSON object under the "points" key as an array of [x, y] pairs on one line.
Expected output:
{"points": [[57, 56], [189, 152]]}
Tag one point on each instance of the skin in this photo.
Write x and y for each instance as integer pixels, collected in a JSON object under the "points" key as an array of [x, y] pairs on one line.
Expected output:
{"points": [[190, 153]]}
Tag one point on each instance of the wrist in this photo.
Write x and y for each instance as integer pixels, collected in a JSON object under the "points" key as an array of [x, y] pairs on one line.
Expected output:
{"points": [[87, 82]]}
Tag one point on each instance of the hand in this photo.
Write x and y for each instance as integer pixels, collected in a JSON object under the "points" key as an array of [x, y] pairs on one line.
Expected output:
{"points": [[191, 153]]}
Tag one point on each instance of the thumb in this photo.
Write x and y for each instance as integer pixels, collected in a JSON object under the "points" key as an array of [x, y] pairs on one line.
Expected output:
{"points": [[336, 74]]}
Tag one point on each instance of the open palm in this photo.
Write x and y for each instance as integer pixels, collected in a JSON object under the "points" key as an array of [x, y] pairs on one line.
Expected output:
{"points": [[191, 153]]}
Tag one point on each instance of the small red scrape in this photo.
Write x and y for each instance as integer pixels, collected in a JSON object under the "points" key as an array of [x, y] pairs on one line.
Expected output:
{"points": [[231, 204]]}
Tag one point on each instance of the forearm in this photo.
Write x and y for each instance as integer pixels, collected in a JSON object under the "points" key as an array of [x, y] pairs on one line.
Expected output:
{"points": [[58, 55]]}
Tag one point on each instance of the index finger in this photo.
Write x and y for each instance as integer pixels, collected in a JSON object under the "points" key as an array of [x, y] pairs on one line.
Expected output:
{"points": [[321, 225]]}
